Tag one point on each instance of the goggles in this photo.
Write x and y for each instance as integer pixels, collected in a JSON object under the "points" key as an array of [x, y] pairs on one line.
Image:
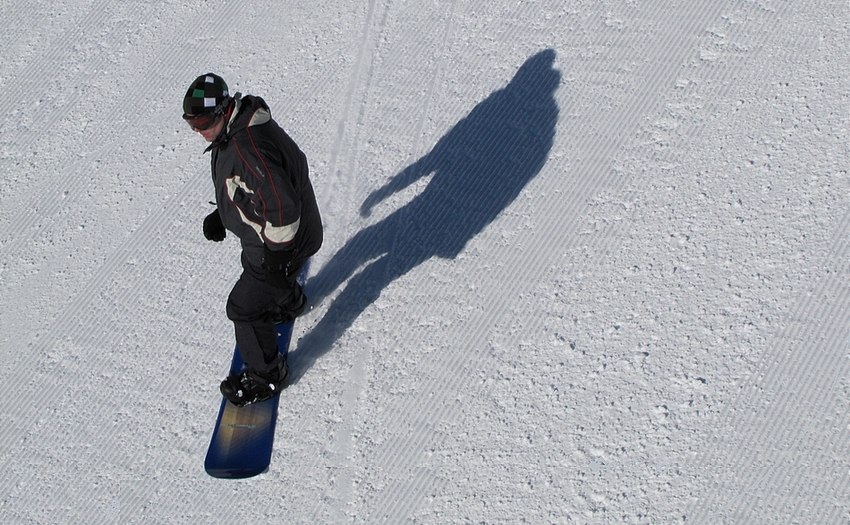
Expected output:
{"points": [[201, 122]]}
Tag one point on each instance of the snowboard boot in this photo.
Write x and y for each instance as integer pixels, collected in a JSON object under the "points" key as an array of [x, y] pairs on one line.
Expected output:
{"points": [[285, 313], [251, 386]]}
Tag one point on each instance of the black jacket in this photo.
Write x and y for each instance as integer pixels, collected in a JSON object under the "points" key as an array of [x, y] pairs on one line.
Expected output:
{"points": [[262, 184]]}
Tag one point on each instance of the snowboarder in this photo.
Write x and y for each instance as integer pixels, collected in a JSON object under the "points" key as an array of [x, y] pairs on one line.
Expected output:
{"points": [[264, 197]]}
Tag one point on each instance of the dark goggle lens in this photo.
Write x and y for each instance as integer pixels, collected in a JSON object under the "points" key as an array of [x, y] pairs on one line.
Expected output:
{"points": [[201, 122]]}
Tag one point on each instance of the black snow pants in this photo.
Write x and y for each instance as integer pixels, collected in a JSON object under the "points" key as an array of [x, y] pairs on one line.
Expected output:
{"points": [[250, 307]]}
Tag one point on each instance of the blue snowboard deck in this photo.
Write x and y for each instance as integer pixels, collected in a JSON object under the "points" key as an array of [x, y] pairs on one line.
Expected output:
{"points": [[242, 442]]}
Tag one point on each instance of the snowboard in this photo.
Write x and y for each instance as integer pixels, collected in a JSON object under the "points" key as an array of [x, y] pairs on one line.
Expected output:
{"points": [[243, 438]]}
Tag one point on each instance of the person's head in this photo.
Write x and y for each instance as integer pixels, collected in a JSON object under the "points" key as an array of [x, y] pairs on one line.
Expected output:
{"points": [[205, 105]]}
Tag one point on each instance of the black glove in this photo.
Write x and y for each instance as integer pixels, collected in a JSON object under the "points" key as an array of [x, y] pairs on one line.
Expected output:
{"points": [[213, 228], [276, 263]]}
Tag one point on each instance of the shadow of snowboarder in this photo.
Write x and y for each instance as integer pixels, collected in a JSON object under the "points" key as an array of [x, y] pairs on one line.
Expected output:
{"points": [[479, 167]]}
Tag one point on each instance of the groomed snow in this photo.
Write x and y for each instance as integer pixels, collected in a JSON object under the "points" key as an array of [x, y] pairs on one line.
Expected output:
{"points": [[613, 285]]}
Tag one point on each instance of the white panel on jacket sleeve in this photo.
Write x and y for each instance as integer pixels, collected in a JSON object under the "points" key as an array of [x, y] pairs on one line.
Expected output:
{"points": [[234, 183], [282, 234]]}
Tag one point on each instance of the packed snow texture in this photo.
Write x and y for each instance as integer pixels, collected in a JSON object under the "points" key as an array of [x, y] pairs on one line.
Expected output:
{"points": [[585, 261]]}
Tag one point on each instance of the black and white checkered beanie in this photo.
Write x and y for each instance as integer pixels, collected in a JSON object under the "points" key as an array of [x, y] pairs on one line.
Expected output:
{"points": [[207, 93]]}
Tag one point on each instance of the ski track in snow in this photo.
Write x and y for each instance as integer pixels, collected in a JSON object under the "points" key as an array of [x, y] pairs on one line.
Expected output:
{"points": [[654, 329]]}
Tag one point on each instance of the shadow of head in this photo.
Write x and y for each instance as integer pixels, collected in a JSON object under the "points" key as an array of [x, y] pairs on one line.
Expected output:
{"points": [[537, 77]]}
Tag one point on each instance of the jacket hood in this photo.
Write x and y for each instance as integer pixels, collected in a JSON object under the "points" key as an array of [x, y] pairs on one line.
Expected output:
{"points": [[247, 111]]}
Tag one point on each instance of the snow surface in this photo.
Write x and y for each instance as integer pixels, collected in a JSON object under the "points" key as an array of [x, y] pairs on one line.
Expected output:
{"points": [[612, 285]]}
